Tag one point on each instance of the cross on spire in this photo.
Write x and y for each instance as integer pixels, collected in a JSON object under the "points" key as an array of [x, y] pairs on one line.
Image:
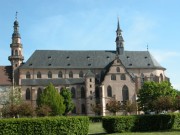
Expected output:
{"points": [[16, 15]]}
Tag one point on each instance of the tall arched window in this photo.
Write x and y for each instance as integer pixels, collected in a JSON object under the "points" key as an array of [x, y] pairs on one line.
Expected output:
{"points": [[83, 109], [117, 69], [28, 75], [83, 94], [49, 74], [113, 77], [39, 92], [16, 52], [73, 92], [80, 74], [70, 74], [151, 77], [97, 92], [125, 93], [123, 77], [28, 94], [109, 91], [38, 74], [60, 75]]}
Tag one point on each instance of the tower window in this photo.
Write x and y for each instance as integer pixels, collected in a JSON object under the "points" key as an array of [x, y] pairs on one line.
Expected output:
{"points": [[60, 75], [123, 77], [49, 74], [83, 94], [70, 74], [38, 74], [117, 69], [16, 52], [28, 75], [113, 77], [80, 74]]}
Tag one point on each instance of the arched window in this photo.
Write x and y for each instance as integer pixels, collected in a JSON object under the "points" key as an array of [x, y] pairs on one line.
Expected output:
{"points": [[16, 52], [97, 92], [151, 77], [60, 75], [49, 74], [12, 52], [28, 75], [80, 74], [83, 109], [39, 92], [28, 94], [117, 69], [83, 94], [20, 53], [70, 74], [123, 77], [113, 77], [38, 74], [125, 93], [73, 92], [161, 77], [109, 91]]}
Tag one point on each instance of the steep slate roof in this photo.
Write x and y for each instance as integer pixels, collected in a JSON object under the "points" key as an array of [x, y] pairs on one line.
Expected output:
{"points": [[45, 82], [89, 59], [5, 75]]}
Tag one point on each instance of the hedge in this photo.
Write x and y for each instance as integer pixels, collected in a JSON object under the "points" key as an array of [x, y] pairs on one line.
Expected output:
{"points": [[45, 126], [118, 124]]}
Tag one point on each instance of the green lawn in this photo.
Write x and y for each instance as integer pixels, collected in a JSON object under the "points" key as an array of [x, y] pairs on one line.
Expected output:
{"points": [[97, 129]]}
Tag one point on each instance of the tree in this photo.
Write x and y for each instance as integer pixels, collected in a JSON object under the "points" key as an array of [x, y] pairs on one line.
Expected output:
{"points": [[163, 103], [26, 109], [113, 106], [66, 94], [150, 91], [53, 99], [96, 108], [177, 103], [43, 110], [129, 107]]}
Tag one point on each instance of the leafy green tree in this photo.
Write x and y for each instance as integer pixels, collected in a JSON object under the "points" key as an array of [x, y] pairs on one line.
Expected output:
{"points": [[150, 91], [113, 106], [67, 95], [53, 99]]}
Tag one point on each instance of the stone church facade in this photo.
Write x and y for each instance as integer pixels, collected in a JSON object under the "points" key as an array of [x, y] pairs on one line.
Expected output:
{"points": [[93, 77]]}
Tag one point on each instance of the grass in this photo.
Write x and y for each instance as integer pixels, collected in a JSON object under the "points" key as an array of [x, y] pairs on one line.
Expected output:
{"points": [[97, 129]]}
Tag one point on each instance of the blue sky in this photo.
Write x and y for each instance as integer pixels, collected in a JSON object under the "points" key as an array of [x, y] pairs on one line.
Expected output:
{"points": [[91, 25]]}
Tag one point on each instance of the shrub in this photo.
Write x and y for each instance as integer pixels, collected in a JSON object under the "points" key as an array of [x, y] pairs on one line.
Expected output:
{"points": [[141, 123], [45, 126], [26, 109], [43, 110]]}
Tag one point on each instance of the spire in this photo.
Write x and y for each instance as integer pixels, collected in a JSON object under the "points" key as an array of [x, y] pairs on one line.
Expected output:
{"points": [[119, 40], [16, 57], [16, 28]]}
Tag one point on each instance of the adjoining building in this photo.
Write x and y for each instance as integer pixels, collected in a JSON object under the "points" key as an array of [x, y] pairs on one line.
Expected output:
{"points": [[93, 77]]}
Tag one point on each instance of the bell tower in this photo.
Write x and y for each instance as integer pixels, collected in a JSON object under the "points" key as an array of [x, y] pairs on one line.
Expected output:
{"points": [[119, 41], [16, 57]]}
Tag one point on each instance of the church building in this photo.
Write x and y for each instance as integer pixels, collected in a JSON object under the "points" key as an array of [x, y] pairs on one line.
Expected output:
{"points": [[93, 77]]}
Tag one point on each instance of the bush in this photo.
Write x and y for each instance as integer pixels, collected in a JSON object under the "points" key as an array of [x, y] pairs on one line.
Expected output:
{"points": [[43, 110], [45, 126], [120, 124]]}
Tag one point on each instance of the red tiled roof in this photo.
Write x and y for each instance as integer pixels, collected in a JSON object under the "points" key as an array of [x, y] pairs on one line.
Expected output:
{"points": [[5, 75]]}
